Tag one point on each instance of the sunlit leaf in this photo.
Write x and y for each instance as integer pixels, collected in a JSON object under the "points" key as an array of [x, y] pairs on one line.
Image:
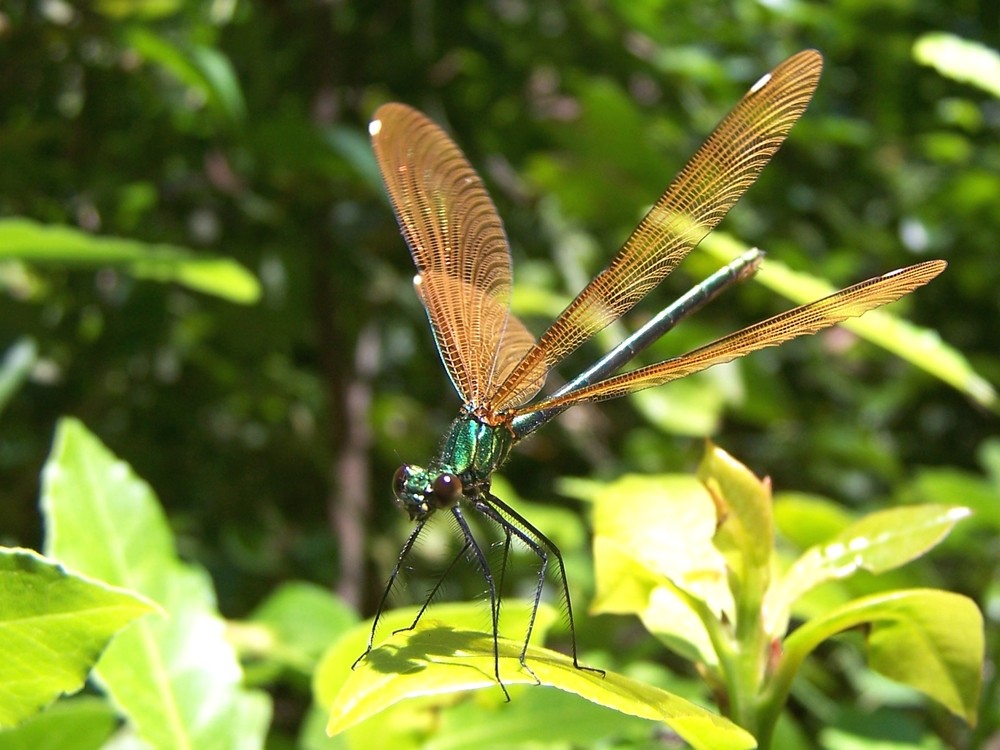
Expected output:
{"points": [[960, 59], [434, 659], [878, 542], [652, 534], [746, 529], [36, 243], [337, 663], [53, 627], [927, 639], [175, 678], [919, 346]]}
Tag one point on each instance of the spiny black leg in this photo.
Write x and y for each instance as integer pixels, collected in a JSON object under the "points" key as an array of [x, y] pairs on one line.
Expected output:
{"points": [[544, 541], [388, 587], [505, 559], [510, 529], [484, 565], [430, 597]]}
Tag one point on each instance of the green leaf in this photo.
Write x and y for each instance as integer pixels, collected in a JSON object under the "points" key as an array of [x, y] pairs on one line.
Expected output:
{"points": [[960, 59], [545, 718], [930, 640], [15, 367], [175, 678], [32, 242], [53, 627], [805, 520], [203, 69], [918, 346], [83, 723], [663, 523], [337, 663], [435, 659], [300, 620], [746, 528], [878, 542], [652, 534]]}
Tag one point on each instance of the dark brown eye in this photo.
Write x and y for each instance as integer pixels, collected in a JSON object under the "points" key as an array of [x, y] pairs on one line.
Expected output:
{"points": [[447, 488], [399, 481]]}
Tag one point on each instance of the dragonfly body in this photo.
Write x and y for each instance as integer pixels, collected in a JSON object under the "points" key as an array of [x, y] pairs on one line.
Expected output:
{"points": [[470, 453], [497, 366]]}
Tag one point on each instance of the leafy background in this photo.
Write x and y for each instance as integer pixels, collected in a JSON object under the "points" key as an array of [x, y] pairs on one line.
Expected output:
{"points": [[270, 430]]}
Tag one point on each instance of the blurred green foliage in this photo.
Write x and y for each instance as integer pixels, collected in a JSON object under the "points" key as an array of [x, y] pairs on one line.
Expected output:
{"points": [[238, 130]]}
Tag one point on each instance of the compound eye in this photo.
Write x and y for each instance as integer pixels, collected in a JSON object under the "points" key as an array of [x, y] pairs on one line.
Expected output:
{"points": [[399, 481], [447, 488]]}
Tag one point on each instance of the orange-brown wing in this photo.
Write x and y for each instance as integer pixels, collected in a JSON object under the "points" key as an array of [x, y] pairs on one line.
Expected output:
{"points": [[716, 177], [801, 321], [458, 245]]}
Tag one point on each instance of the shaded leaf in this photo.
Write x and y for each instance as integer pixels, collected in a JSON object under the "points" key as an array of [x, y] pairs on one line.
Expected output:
{"points": [[83, 723], [15, 368], [203, 69], [300, 621]]}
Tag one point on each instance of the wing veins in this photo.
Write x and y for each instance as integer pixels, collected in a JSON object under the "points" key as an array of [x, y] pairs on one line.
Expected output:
{"points": [[800, 321]]}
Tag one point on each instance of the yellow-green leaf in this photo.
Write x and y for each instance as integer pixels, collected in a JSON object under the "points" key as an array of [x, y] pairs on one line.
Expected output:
{"points": [[32, 242], [878, 542], [930, 640], [435, 659], [54, 624]]}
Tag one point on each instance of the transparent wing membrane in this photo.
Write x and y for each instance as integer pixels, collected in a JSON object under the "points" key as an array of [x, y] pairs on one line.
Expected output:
{"points": [[459, 247], [801, 321], [714, 179]]}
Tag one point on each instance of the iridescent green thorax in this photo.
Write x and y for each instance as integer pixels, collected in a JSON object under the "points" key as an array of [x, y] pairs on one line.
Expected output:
{"points": [[473, 450], [470, 453]]}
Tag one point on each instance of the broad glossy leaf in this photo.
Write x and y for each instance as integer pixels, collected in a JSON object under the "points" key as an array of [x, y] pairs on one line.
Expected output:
{"points": [[176, 678], [652, 534], [36, 243], [928, 639], [878, 542], [336, 665], [535, 718], [918, 346], [746, 528], [54, 624], [435, 658]]}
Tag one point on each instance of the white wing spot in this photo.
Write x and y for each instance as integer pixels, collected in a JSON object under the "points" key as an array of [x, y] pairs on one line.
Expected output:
{"points": [[374, 128], [761, 83], [418, 280]]}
